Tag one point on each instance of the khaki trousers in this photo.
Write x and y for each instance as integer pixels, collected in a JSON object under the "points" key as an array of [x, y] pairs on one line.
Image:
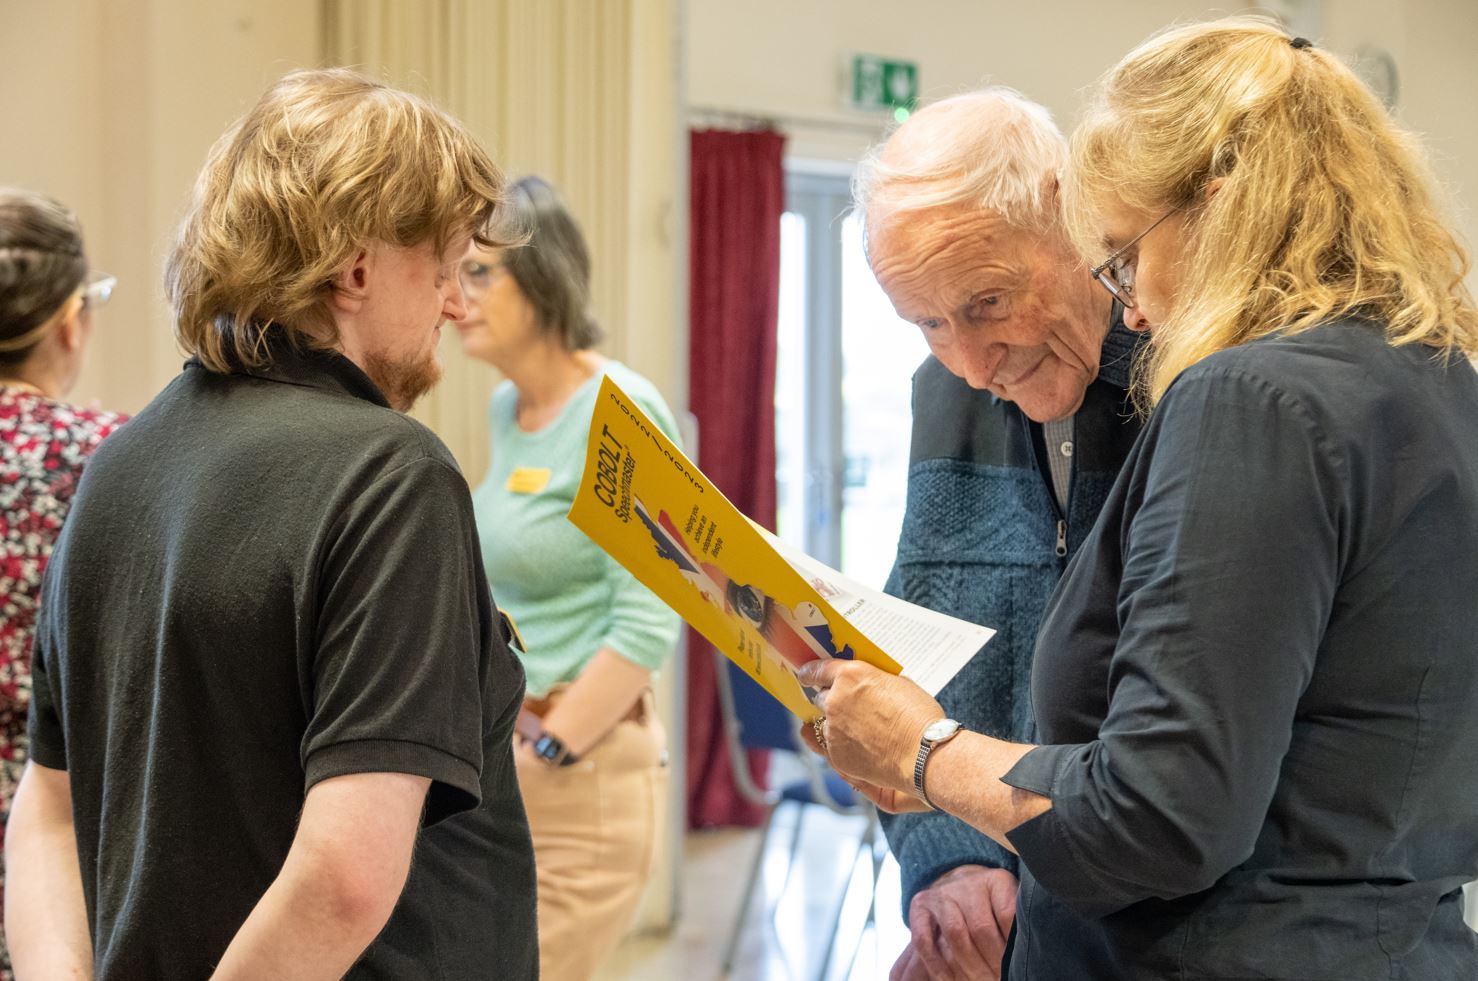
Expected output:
{"points": [[596, 826]]}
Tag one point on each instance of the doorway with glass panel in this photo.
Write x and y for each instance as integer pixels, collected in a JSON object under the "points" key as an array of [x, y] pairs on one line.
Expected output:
{"points": [[842, 387]]}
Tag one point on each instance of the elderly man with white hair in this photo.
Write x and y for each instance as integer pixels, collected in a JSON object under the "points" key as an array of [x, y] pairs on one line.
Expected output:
{"points": [[1021, 422]]}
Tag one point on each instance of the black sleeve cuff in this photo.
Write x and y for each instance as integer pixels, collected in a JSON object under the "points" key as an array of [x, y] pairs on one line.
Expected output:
{"points": [[44, 755], [1037, 770], [1043, 843], [1037, 845], [454, 781], [48, 746]]}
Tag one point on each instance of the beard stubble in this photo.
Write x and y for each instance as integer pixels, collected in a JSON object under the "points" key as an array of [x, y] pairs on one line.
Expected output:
{"points": [[403, 383]]}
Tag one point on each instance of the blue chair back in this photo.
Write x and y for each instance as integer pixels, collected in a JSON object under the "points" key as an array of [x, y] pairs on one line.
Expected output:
{"points": [[763, 722]]}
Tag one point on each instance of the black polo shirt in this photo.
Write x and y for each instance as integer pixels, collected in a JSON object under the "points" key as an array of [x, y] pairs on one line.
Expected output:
{"points": [[272, 579]]}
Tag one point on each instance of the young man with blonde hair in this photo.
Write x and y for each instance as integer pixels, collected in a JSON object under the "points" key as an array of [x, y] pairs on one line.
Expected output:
{"points": [[273, 702]]}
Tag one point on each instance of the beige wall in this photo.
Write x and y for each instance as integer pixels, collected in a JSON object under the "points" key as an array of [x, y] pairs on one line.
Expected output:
{"points": [[783, 58], [580, 92], [787, 58], [124, 99], [1435, 45], [113, 107]]}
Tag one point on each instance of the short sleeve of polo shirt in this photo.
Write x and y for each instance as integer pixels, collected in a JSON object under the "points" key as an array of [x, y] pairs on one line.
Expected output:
{"points": [[48, 746], [396, 681]]}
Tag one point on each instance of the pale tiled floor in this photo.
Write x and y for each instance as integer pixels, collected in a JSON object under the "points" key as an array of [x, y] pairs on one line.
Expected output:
{"points": [[788, 945]]}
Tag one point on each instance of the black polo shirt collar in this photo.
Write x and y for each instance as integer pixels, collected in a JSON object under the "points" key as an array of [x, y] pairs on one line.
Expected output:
{"points": [[325, 370]]}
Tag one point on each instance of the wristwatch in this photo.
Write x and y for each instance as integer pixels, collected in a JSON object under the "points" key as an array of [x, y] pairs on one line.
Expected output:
{"points": [[939, 731], [549, 749]]}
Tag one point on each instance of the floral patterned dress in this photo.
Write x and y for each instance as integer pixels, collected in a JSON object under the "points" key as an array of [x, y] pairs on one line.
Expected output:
{"points": [[43, 446]]}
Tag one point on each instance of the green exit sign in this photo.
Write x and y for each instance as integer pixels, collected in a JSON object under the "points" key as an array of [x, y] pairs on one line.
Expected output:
{"points": [[880, 83]]}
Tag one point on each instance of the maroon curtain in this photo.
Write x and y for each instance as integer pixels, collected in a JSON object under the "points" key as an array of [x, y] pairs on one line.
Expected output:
{"points": [[738, 195]]}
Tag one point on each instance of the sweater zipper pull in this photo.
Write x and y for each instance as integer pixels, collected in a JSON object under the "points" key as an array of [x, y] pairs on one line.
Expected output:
{"points": [[1061, 538]]}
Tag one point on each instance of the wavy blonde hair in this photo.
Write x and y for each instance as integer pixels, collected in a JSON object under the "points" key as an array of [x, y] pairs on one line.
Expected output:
{"points": [[1323, 207], [326, 162]]}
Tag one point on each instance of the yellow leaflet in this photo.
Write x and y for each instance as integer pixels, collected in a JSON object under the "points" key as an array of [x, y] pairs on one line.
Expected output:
{"points": [[651, 508], [528, 480]]}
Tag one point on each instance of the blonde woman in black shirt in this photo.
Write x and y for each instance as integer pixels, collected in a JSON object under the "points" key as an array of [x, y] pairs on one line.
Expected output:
{"points": [[1256, 684]]}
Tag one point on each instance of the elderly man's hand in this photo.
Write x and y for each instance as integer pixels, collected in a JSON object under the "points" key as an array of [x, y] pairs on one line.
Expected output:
{"points": [[960, 925], [873, 722]]}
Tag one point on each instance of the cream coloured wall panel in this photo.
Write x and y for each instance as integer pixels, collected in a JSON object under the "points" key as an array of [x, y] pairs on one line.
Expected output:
{"points": [[564, 89], [114, 108], [781, 59]]}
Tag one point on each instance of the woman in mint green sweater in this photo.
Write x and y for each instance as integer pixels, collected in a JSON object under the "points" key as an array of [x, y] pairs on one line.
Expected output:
{"points": [[591, 762]]}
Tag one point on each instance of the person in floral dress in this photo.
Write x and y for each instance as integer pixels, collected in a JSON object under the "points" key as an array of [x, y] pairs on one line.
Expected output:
{"points": [[48, 300]]}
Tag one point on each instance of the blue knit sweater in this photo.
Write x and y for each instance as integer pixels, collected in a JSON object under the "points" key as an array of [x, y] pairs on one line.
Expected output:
{"points": [[980, 541]]}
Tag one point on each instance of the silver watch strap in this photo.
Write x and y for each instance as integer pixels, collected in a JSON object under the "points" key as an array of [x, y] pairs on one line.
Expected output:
{"points": [[926, 746]]}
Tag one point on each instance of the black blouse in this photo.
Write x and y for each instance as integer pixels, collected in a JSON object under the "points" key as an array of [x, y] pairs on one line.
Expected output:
{"points": [[1257, 683]]}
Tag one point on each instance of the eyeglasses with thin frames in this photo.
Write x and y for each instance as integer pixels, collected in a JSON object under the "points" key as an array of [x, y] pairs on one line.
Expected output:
{"points": [[98, 290], [477, 277], [1117, 275]]}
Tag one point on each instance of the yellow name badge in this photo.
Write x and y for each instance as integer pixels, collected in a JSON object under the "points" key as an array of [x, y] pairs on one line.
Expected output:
{"points": [[528, 480]]}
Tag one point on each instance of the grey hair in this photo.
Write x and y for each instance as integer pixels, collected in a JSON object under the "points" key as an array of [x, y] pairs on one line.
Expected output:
{"points": [[552, 267], [41, 265], [997, 151]]}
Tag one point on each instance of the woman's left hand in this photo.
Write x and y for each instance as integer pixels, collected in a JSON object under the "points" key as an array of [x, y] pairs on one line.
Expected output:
{"points": [[873, 724]]}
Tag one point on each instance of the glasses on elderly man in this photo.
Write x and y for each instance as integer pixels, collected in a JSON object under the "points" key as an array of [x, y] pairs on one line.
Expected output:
{"points": [[1116, 273], [98, 289]]}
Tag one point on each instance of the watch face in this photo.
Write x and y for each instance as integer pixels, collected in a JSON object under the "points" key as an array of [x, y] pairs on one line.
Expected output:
{"points": [[942, 729]]}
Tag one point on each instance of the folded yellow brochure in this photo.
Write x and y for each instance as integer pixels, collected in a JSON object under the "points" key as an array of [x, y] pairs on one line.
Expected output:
{"points": [[654, 511]]}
